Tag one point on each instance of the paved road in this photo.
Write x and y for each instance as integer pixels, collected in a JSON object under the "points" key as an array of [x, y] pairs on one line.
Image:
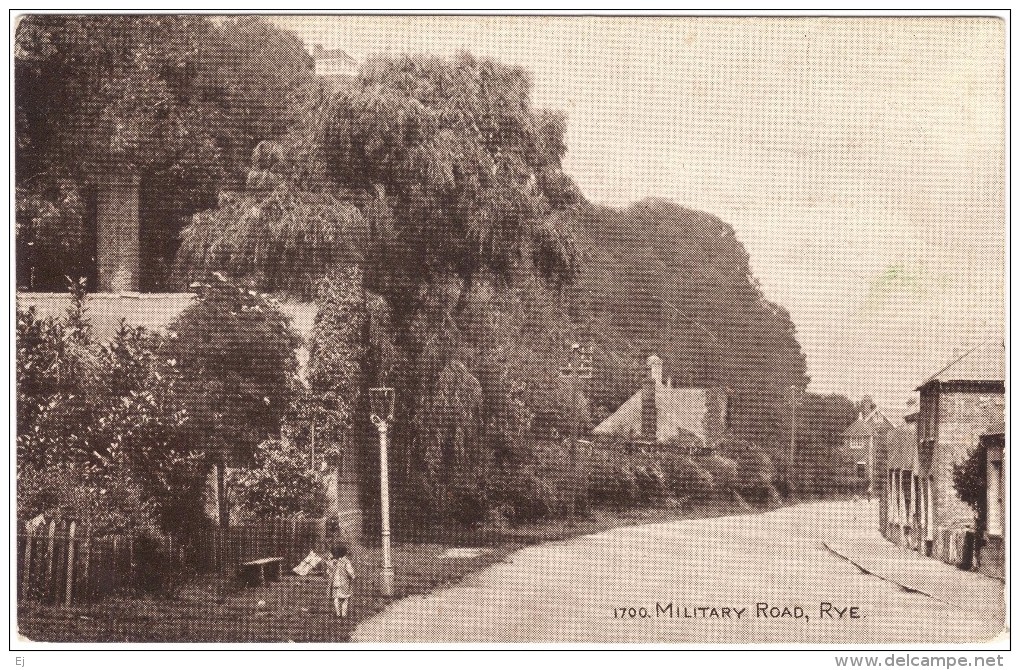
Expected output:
{"points": [[568, 591]]}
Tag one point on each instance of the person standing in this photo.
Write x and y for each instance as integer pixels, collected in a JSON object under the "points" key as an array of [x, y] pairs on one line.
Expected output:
{"points": [[340, 574]]}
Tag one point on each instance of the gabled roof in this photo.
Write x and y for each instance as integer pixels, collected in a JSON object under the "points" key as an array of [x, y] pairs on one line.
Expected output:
{"points": [[984, 363], [868, 426], [679, 409]]}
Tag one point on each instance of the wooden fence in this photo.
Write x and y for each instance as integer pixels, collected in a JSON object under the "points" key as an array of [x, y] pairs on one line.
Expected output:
{"points": [[288, 537], [63, 563]]}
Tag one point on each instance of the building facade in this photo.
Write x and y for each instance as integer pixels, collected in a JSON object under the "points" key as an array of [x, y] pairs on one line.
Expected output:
{"points": [[959, 404], [864, 441], [903, 499], [991, 527]]}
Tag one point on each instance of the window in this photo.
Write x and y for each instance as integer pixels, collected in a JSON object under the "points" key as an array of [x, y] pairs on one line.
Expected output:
{"points": [[996, 510]]}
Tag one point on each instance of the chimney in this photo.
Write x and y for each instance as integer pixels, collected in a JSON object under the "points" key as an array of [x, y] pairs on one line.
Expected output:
{"points": [[117, 233], [655, 368], [649, 409]]}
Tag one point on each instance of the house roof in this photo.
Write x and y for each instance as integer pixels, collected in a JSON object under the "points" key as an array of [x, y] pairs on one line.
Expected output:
{"points": [[985, 362], [679, 409], [901, 446], [868, 426]]}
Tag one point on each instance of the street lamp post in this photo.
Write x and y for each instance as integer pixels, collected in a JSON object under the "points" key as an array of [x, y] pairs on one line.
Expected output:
{"points": [[579, 367], [382, 401], [793, 437]]}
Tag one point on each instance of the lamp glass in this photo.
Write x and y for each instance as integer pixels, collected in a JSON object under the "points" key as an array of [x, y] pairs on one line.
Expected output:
{"points": [[382, 402]]}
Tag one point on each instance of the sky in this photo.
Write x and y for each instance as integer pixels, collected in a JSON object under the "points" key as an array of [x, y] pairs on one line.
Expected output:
{"points": [[860, 161]]}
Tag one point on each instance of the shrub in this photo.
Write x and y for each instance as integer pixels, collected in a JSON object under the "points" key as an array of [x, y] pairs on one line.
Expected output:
{"points": [[233, 352], [970, 480], [97, 425], [281, 482], [686, 478], [611, 482], [755, 471], [107, 498], [722, 469]]}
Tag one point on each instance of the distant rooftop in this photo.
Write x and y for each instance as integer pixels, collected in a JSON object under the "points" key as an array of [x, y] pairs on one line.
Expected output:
{"points": [[333, 64], [679, 410], [867, 426]]}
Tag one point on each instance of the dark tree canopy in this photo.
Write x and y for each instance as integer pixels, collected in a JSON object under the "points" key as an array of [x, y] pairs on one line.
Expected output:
{"points": [[463, 158], [179, 101], [460, 261], [422, 168], [234, 355]]}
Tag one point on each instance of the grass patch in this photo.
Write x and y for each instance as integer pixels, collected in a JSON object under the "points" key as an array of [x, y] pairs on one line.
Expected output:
{"points": [[213, 608]]}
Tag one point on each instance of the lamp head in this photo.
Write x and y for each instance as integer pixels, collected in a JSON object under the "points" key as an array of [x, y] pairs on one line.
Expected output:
{"points": [[382, 400]]}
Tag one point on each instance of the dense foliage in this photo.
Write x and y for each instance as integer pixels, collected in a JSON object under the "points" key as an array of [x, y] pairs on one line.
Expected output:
{"points": [[970, 480], [234, 354], [180, 101], [97, 425], [423, 206], [280, 481], [661, 278]]}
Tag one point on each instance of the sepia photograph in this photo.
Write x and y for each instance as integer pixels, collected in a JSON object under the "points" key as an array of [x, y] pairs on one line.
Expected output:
{"points": [[388, 330]]}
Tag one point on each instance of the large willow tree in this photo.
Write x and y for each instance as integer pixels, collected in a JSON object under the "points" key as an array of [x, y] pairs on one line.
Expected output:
{"points": [[435, 176]]}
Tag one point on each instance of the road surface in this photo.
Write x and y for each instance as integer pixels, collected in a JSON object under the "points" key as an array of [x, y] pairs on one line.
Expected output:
{"points": [[755, 578]]}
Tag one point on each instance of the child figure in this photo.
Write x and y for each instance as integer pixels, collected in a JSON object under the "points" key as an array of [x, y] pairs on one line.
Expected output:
{"points": [[340, 574]]}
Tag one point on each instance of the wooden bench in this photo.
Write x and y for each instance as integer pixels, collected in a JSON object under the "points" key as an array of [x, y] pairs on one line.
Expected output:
{"points": [[261, 571]]}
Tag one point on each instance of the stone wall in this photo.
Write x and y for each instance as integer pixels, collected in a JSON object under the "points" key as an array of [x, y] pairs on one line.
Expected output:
{"points": [[963, 416]]}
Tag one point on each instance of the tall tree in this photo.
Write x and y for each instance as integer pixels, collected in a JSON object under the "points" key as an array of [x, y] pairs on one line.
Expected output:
{"points": [[235, 357], [180, 101]]}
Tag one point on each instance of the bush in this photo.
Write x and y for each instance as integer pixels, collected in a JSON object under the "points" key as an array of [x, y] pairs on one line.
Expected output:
{"points": [[611, 481], [970, 480], [755, 471], [687, 479], [108, 499], [233, 352], [722, 469], [97, 425], [281, 482]]}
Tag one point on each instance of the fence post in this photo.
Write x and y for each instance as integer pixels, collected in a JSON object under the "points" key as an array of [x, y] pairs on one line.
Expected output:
{"points": [[115, 561], [293, 537], [49, 549], [86, 551], [26, 576], [69, 584]]}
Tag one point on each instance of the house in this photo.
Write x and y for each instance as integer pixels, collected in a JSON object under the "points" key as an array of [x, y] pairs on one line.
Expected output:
{"points": [[660, 412], [959, 404], [118, 249], [902, 507], [335, 66], [991, 553], [863, 440]]}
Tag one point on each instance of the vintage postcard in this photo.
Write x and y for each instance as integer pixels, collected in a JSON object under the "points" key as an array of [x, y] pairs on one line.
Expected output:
{"points": [[546, 330]]}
